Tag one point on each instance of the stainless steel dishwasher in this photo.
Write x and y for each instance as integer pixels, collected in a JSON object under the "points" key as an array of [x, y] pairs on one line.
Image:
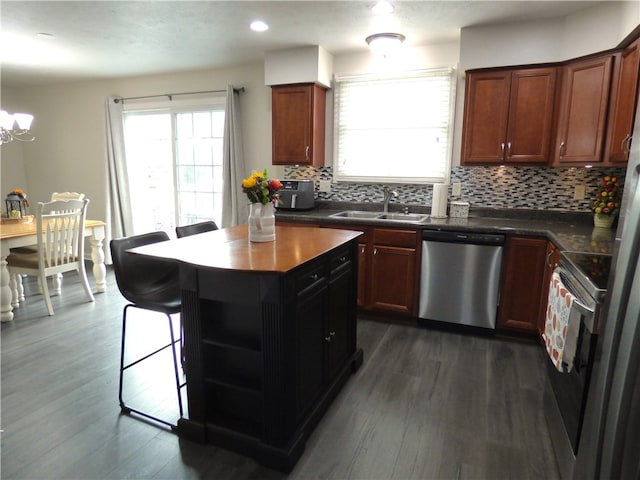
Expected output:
{"points": [[460, 278]]}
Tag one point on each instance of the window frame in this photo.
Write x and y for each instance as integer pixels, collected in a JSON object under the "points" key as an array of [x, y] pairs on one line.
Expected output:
{"points": [[340, 177], [173, 107]]}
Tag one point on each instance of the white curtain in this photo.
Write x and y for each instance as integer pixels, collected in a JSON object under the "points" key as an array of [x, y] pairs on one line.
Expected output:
{"points": [[119, 218], [234, 202]]}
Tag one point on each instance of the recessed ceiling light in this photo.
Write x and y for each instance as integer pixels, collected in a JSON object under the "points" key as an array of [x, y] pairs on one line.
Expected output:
{"points": [[383, 6], [259, 26]]}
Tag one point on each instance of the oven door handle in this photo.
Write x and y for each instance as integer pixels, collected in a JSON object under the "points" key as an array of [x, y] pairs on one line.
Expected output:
{"points": [[588, 313]]}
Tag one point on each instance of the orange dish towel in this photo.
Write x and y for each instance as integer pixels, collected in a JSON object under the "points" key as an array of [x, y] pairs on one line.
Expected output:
{"points": [[562, 325]]}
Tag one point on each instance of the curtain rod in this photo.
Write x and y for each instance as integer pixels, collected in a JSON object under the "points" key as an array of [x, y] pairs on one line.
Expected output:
{"points": [[171, 95]]}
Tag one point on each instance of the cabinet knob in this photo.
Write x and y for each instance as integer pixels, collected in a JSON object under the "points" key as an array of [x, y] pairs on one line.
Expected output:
{"points": [[561, 149], [343, 259], [327, 339], [508, 149], [502, 151], [314, 277], [306, 153], [626, 140]]}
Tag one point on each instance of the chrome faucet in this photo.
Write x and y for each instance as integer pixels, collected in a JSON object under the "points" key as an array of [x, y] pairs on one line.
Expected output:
{"points": [[388, 193]]}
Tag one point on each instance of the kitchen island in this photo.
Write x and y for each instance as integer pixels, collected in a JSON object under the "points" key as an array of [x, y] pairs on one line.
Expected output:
{"points": [[269, 335]]}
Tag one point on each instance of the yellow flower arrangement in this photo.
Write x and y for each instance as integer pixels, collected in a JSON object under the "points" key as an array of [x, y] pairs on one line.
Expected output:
{"points": [[260, 189]]}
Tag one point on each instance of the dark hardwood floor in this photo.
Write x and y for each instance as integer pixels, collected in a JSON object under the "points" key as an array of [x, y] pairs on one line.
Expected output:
{"points": [[425, 404]]}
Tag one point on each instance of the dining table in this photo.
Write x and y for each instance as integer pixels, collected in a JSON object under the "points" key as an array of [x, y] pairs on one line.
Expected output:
{"points": [[21, 234]]}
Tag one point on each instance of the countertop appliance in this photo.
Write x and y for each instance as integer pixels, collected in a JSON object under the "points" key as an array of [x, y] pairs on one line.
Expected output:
{"points": [[584, 276], [611, 431], [296, 195], [460, 278]]}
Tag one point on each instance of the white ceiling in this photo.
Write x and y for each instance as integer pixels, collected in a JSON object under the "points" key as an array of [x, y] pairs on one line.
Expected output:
{"points": [[98, 39]]}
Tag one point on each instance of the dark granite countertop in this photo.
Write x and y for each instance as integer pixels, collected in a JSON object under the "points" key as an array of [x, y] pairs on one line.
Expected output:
{"points": [[570, 231]]}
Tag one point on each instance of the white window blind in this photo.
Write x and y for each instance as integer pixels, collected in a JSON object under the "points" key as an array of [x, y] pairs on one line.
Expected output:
{"points": [[394, 128]]}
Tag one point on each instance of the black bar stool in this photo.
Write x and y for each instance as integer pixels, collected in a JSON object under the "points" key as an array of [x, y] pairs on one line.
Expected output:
{"points": [[186, 230], [148, 284]]}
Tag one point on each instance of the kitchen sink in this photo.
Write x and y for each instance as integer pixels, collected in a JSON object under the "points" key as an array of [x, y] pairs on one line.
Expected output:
{"points": [[404, 217], [396, 217], [357, 214]]}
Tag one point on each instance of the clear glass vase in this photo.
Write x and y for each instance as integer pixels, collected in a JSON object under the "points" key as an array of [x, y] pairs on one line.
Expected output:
{"points": [[262, 222]]}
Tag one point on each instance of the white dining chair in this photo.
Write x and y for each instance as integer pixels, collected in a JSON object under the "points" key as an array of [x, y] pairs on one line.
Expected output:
{"points": [[60, 246], [57, 280]]}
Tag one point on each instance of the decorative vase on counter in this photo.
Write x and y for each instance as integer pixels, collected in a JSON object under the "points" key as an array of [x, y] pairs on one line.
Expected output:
{"points": [[603, 221], [262, 222]]}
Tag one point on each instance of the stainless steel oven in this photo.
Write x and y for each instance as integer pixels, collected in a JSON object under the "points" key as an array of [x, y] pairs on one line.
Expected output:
{"points": [[584, 276]]}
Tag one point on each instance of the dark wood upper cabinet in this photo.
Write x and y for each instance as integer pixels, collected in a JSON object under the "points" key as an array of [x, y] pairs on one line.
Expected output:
{"points": [[486, 111], [298, 124], [582, 117], [508, 116], [622, 107]]}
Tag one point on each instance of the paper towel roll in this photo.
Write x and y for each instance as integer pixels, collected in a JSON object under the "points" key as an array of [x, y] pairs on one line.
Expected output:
{"points": [[439, 200]]}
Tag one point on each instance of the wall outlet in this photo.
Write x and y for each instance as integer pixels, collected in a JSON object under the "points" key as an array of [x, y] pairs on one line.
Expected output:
{"points": [[456, 189], [578, 192], [324, 185]]}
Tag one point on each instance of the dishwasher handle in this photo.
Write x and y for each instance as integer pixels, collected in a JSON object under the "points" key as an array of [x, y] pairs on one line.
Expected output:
{"points": [[462, 237]]}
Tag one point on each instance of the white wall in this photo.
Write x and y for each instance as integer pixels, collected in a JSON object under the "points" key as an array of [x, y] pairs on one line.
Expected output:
{"points": [[12, 171]]}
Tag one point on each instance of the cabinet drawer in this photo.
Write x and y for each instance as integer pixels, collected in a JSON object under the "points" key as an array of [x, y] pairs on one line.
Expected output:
{"points": [[395, 238], [309, 277], [340, 260]]}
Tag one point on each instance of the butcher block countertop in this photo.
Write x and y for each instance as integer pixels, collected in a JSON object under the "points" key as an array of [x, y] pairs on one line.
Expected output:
{"points": [[230, 248]]}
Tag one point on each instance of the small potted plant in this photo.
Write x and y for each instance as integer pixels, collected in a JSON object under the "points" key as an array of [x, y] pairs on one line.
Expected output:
{"points": [[606, 205]]}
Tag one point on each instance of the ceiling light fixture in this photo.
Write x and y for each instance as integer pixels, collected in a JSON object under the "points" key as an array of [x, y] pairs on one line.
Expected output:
{"points": [[8, 130], [259, 26], [382, 7], [385, 43]]}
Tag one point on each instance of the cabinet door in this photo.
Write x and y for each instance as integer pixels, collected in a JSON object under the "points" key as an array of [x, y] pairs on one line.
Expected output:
{"points": [[362, 274], [393, 278], [583, 111], [341, 310], [298, 118], [311, 310], [486, 110], [531, 108], [522, 278], [552, 259], [624, 94]]}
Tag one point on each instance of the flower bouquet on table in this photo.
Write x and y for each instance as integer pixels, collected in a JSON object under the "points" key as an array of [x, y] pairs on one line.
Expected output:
{"points": [[262, 193], [260, 189], [606, 205]]}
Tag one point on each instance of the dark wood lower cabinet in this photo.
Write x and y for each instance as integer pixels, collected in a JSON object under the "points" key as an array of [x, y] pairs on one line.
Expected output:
{"points": [[523, 275], [266, 353], [388, 267], [551, 261]]}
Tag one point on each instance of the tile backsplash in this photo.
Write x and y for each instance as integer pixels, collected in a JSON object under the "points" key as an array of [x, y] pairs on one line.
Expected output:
{"points": [[497, 187]]}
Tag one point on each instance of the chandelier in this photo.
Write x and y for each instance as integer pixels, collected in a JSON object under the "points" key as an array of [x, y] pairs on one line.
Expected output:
{"points": [[15, 127]]}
